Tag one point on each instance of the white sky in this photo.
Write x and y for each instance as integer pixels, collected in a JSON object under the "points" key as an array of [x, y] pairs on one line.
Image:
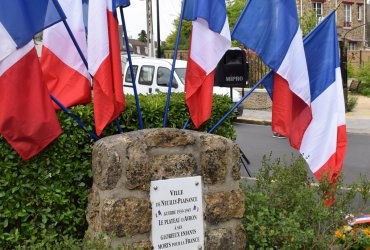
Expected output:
{"points": [[135, 17]]}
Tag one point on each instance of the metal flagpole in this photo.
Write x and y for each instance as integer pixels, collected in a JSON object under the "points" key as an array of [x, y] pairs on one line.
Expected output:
{"points": [[173, 64], [131, 69], [66, 110], [61, 13], [236, 105]]}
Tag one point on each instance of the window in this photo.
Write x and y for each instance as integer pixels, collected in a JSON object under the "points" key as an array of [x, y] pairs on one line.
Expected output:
{"points": [[146, 75], [359, 12], [352, 46], [318, 9], [347, 15], [128, 77], [163, 77]]}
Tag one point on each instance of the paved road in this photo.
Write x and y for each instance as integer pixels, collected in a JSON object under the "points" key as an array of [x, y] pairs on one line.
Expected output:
{"points": [[256, 141]]}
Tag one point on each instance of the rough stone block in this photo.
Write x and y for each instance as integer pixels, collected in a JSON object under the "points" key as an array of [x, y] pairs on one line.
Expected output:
{"points": [[144, 245], [226, 239], [235, 159], [125, 217], [106, 164], [166, 138], [168, 166], [92, 211], [138, 167], [214, 158], [223, 206]]}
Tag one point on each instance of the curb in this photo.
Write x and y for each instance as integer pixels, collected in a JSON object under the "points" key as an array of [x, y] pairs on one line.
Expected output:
{"points": [[253, 121]]}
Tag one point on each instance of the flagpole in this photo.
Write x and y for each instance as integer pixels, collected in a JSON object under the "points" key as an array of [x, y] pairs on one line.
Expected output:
{"points": [[131, 69], [66, 110], [173, 64], [61, 13], [236, 105], [186, 123]]}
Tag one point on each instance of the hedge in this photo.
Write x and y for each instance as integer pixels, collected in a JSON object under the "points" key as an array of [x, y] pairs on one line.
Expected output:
{"points": [[44, 199]]}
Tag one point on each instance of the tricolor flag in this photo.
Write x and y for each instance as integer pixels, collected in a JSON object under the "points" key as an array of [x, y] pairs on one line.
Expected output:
{"points": [[105, 62], [271, 29], [27, 117], [325, 140], [210, 39], [361, 219], [64, 72]]}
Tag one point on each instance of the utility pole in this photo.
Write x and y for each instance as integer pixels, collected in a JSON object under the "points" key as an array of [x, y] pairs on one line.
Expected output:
{"points": [[149, 25], [158, 33]]}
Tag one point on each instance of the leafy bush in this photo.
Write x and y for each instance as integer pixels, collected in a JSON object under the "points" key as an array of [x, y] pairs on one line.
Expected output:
{"points": [[43, 200], [351, 103], [283, 210], [362, 74]]}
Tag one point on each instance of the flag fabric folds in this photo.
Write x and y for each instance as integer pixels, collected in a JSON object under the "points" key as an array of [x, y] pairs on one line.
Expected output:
{"points": [[122, 3], [27, 118], [20, 20], [325, 140], [105, 62], [64, 72], [271, 29], [210, 39]]}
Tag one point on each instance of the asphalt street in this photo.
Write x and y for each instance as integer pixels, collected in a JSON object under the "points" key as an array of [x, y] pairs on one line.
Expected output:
{"points": [[257, 141]]}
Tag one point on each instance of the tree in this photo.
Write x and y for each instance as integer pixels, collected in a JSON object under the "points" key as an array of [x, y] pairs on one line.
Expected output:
{"points": [[307, 21], [142, 37]]}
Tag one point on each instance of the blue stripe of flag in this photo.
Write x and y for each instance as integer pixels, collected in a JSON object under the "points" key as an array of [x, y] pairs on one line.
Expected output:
{"points": [[268, 27], [213, 11], [24, 18], [322, 55]]}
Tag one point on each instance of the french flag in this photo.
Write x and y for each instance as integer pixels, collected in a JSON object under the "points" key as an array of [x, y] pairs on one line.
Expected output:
{"points": [[64, 72], [361, 219], [105, 62], [210, 39], [27, 117], [325, 140], [271, 29]]}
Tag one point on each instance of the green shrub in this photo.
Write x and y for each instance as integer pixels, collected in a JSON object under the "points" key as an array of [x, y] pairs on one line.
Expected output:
{"points": [[351, 103], [283, 210], [43, 200]]}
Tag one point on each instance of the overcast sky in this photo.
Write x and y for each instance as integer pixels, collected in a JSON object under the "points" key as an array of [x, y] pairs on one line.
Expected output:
{"points": [[135, 17]]}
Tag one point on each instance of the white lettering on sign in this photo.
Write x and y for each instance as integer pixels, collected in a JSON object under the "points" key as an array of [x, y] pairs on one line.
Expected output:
{"points": [[177, 213], [234, 78]]}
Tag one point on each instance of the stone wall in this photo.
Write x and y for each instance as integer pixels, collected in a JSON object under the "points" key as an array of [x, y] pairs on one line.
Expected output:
{"points": [[259, 99], [124, 165]]}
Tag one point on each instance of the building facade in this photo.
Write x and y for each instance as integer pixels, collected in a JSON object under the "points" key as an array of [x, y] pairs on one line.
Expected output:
{"points": [[351, 18]]}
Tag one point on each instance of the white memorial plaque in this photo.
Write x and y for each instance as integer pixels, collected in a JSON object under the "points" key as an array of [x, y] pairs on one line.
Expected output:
{"points": [[177, 213]]}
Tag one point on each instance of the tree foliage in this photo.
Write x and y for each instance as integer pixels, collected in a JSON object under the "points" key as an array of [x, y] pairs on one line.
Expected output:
{"points": [[142, 36]]}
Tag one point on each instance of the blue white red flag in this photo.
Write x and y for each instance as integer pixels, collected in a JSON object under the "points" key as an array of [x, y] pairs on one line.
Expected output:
{"points": [[361, 219], [27, 117], [20, 20], [64, 72], [105, 62], [271, 29], [325, 140], [210, 39]]}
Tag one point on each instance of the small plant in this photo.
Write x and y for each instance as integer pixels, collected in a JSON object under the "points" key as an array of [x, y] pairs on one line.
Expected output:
{"points": [[284, 209], [351, 103], [353, 237]]}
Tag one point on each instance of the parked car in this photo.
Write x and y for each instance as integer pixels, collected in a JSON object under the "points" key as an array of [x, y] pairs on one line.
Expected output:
{"points": [[152, 76]]}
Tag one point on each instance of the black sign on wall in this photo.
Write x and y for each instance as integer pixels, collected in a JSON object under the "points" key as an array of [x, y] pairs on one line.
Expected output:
{"points": [[232, 70]]}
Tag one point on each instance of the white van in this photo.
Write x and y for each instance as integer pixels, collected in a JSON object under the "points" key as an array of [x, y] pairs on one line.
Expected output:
{"points": [[152, 76]]}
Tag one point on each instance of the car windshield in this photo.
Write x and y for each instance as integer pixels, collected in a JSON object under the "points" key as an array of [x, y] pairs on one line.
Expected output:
{"points": [[181, 73]]}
